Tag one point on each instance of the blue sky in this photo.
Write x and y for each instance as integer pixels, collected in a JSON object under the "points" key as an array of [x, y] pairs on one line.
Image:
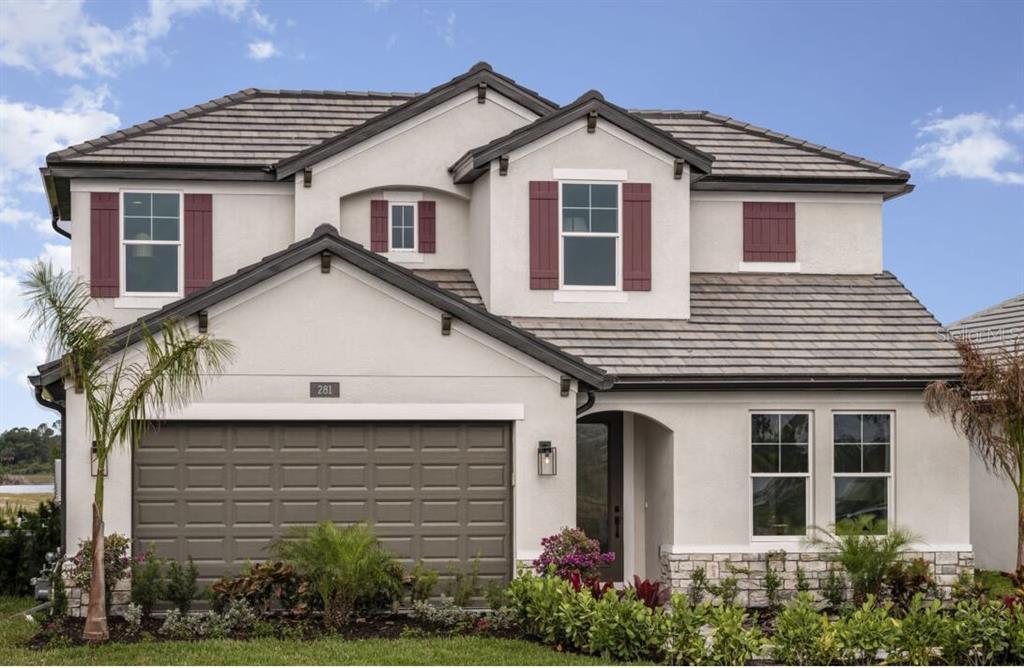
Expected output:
{"points": [[936, 87]]}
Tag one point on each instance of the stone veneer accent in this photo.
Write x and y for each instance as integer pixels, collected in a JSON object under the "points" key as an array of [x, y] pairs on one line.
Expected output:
{"points": [[749, 570], [78, 598]]}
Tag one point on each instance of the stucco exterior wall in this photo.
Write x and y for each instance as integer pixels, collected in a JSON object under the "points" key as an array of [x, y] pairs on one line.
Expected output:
{"points": [[480, 236], [993, 519], [387, 351], [608, 148], [711, 507], [835, 234], [250, 221], [452, 227], [414, 154]]}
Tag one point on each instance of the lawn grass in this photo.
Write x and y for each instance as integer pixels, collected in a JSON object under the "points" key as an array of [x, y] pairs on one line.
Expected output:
{"points": [[11, 502], [461, 650], [995, 583]]}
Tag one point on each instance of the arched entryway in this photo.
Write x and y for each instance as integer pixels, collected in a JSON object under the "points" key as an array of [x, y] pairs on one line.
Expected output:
{"points": [[624, 489]]}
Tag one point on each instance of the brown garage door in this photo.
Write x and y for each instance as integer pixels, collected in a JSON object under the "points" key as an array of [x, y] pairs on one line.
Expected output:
{"points": [[221, 492]]}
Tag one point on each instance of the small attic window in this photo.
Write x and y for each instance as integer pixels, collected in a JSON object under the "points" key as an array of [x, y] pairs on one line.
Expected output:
{"points": [[402, 226]]}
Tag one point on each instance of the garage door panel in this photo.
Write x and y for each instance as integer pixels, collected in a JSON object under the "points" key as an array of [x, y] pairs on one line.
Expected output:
{"points": [[223, 491]]}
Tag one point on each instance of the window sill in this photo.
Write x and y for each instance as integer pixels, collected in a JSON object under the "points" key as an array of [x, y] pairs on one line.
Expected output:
{"points": [[771, 267], [589, 297], [144, 302], [404, 257]]}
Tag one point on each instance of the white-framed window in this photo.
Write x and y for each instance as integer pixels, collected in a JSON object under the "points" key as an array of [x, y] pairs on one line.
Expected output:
{"points": [[151, 243], [591, 232], [780, 474], [862, 468], [402, 226]]}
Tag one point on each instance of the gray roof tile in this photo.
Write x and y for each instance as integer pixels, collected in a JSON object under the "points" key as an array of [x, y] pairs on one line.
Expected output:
{"points": [[999, 326]]}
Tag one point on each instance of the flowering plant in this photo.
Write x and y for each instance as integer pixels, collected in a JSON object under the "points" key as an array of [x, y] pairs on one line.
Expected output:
{"points": [[117, 563], [570, 551]]}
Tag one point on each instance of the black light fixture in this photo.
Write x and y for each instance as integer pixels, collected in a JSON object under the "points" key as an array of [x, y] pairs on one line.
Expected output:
{"points": [[547, 459]]}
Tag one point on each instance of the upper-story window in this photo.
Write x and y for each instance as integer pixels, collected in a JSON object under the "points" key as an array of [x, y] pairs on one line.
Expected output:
{"points": [[769, 232], [403, 226], [151, 243], [590, 235]]}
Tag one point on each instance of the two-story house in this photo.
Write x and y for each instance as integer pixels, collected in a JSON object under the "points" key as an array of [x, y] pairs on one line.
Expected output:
{"points": [[472, 317]]}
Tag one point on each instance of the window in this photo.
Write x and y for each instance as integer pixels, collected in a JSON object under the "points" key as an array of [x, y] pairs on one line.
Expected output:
{"points": [[590, 235], [151, 243], [769, 232], [780, 472], [403, 226], [862, 464]]}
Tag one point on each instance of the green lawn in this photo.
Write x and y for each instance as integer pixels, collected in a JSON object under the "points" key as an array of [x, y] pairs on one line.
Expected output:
{"points": [[463, 650]]}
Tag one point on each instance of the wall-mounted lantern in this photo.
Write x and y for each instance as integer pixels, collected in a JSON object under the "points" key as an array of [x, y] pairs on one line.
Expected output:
{"points": [[547, 459]]}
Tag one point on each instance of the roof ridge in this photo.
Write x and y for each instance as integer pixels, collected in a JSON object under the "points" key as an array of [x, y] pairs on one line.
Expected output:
{"points": [[986, 311], [780, 137], [910, 292], [202, 109]]}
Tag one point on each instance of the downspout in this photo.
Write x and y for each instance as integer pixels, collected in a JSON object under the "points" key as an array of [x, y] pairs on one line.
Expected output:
{"points": [[60, 408], [586, 405]]}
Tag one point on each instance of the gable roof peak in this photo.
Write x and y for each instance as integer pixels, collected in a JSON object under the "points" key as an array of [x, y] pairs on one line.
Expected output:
{"points": [[592, 94], [481, 66]]}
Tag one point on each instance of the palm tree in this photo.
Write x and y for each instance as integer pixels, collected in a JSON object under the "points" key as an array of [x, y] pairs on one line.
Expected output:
{"points": [[987, 406], [121, 390]]}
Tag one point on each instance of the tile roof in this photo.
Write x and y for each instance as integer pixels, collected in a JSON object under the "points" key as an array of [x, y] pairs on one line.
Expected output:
{"points": [[999, 326], [458, 281], [745, 150], [768, 325], [259, 128]]}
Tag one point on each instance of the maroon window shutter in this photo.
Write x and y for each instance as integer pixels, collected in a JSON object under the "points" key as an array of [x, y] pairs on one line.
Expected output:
{"points": [[636, 236], [544, 235], [104, 245], [379, 225], [198, 242], [769, 232], [427, 223]]}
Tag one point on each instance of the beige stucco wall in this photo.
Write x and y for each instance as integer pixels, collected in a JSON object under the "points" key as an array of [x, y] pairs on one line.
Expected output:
{"points": [[452, 227], [384, 348], [480, 236], [250, 221], [835, 234], [414, 154], [993, 519], [606, 149], [710, 433]]}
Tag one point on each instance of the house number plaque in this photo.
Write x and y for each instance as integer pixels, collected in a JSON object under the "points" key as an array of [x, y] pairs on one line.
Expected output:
{"points": [[318, 390]]}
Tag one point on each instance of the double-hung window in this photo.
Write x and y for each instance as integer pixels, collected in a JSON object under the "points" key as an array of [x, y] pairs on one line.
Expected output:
{"points": [[402, 226], [151, 239], [591, 233], [862, 464], [780, 473]]}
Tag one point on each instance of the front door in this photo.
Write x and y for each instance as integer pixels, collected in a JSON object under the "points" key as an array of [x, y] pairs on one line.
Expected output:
{"points": [[599, 484]]}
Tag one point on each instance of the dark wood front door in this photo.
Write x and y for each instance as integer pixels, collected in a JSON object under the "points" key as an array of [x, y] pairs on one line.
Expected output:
{"points": [[599, 484]]}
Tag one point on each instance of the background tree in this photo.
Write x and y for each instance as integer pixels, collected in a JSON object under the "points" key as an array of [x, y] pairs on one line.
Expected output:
{"points": [[121, 390], [24, 450], [987, 407]]}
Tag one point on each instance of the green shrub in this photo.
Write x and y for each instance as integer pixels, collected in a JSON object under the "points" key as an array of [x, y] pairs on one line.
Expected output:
{"points": [[443, 613], [59, 594], [734, 640], [772, 581], [801, 580], [133, 616], [685, 644], [978, 633], [26, 536], [345, 567], [920, 634], [422, 582], [803, 636], [261, 586], [537, 602], [833, 588], [698, 586], [867, 549], [862, 633], [464, 586], [496, 595], [1015, 635], [726, 590], [575, 617], [180, 587], [117, 564], [147, 581], [905, 579], [624, 629]]}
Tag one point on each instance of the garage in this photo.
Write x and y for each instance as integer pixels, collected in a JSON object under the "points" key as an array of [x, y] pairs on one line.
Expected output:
{"points": [[222, 491]]}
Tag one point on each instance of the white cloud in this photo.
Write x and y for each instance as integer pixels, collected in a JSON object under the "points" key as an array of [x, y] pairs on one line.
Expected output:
{"points": [[445, 29], [971, 146], [28, 132], [19, 354], [262, 50], [58, 35]]}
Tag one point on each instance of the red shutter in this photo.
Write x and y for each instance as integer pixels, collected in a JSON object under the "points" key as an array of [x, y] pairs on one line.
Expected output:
{"points": [[379, 225], [544, 235], [427, 233], [198, 242], [104, 245], [769, 232], [636, 236]]}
